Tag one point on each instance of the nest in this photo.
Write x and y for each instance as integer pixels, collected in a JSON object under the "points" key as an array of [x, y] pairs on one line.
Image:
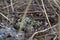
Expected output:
{"points": [[41, 15]]}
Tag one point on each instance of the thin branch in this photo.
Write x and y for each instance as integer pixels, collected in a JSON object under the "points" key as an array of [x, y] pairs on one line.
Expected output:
{"points": [[39, 5], [42, 31], [4, 16], [48, 34], [7, 7], [12, 6], [58, 1], [56, 4], [29, 12], [25, 13], [55, 37], [53, 8], [46, 13]]}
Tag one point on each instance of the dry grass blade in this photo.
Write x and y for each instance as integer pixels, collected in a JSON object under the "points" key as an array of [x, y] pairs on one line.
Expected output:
{"points": [[46, 13], [28, 12], [58, 1], [55, 1], [38, 3], [5, 16], [7, 7], [57, 4], [42, 31], [55, 37], [12, 6], [53, 8], [25, 13], [47, 34]]}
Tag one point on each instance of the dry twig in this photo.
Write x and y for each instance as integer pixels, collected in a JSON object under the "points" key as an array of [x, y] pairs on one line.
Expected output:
{"points": [[53, 8], [25, 13], [42, 31], [46, 13], [4, 16], [55, 37], [12, 6], [57, 4]]}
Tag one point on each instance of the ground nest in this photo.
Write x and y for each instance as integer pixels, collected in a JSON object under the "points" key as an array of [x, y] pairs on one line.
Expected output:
{"points": [[39, 23]]}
